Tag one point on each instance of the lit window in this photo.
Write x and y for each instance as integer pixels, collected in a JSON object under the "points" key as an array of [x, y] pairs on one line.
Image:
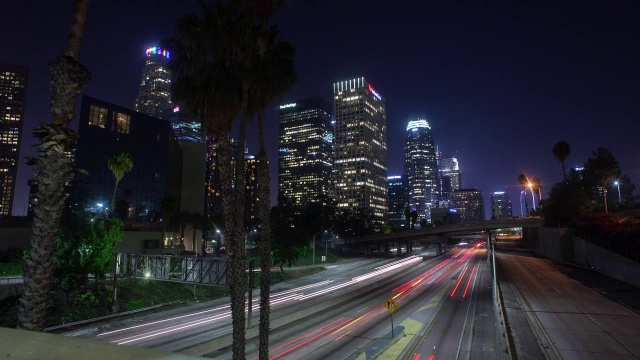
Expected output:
{"points": [[97, 116], [121, 122]]}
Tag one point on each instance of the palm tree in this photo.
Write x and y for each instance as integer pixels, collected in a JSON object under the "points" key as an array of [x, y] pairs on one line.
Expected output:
{"points": [[212, 61], [561, 151], [53, 170], [274, 73], [120, 163]]}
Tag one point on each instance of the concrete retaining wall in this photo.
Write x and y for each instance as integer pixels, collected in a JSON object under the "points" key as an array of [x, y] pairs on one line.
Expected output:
{"points": [[560, 245]]}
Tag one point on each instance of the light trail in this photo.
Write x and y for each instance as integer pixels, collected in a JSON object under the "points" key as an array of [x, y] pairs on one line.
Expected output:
{"points": [[469, 282]]}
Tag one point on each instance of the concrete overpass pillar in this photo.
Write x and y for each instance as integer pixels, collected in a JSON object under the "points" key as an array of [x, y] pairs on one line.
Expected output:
{"points": [[438, 249], [399, 247]]}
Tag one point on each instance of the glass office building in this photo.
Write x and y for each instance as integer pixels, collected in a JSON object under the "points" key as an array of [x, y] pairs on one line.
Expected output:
{"points": [[420, 167], [13, 96], [304, 153], [360, 148]]}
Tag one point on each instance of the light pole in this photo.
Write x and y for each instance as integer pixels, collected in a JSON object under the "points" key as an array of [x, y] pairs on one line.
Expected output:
{"points": [[618, 185], [533, 198], [314, 245]]}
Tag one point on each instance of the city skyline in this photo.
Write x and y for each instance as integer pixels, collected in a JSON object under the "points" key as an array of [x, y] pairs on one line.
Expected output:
{"points": [[500, 84]]}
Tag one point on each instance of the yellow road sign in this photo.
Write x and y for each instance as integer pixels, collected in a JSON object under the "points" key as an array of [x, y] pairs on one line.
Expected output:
{"points": [[391, 304]]}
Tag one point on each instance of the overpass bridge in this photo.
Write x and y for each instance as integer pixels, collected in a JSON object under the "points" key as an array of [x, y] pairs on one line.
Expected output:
{"points": [[440, 235]]}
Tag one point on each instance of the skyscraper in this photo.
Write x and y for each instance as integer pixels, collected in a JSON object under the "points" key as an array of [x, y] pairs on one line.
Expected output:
{"points": [[500, 205], [304, 154], [360, 148], [469, 203], [450, 180], [13, 96], [154, 95], [397, 201], [421, 168], [185, 127]]}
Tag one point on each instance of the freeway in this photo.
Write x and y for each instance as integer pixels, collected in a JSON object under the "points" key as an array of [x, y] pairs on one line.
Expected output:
{"points": [[567, 319], [338, 313], [433, 299]]}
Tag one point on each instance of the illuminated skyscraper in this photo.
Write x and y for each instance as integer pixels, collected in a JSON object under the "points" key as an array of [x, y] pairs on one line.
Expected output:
{"points": [[13, 95], [397, 201], [469, 203], [154, 95], [450, 180], [421, 169], [185, 127], [304, 154], [500, 205], [360, 148]]}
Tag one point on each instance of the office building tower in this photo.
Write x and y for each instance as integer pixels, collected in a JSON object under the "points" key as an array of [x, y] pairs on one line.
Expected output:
{"points": [[106, 128], [450, 179], [360, 148], [469, 203], [13, 96], [421, 169], [185, 127], [154, 94], [500, 205], [397, 201], [304, 154]]}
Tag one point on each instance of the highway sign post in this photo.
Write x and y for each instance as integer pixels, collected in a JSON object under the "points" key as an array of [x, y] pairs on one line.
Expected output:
{"points": [[391, 305]]}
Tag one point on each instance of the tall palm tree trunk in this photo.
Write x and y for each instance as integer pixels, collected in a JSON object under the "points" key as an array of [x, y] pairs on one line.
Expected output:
{"points": [[265, 241], [237, 256], [604, 196], [113, 197], [53, 170], [564, 172]]}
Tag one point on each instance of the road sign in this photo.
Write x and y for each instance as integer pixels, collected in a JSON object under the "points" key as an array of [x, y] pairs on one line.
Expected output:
{"points": [[391, 304]]}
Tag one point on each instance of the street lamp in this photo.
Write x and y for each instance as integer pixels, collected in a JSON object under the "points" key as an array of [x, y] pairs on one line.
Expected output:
{"points": [[616, 183], [314, 245]]}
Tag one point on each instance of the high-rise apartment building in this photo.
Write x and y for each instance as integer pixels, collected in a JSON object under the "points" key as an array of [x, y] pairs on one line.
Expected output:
{"points": [[397, 201], [304, 154], [420, 167], [360, 148], [469, 203], [500, 205], [13, 96], [154, 95]]}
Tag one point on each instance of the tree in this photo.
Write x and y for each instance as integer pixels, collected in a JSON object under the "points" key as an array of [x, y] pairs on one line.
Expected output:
{"points": [[561, 151], [212, 63], [290, 238], [53, 170], [274, 74], [120, 163], [566, 203], [599, 170]]}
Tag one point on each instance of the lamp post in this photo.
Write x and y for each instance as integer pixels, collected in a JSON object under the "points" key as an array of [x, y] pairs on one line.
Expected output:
{"points": [[314, 245], [533, 198], [618, 185]]}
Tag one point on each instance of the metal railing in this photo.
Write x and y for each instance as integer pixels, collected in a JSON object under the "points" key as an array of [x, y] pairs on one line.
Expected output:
{"points": [[182, 269]]}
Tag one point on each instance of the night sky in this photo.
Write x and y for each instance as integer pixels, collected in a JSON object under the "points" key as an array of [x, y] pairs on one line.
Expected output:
{"points": [[499, 82]]}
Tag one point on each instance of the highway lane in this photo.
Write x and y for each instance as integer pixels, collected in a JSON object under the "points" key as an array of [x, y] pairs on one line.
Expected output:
{"points": [[570, 320], [361, 328], [179, 328]]}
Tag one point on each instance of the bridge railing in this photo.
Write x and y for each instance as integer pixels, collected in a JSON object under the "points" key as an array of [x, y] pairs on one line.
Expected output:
{"points": [[183, 269]]}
